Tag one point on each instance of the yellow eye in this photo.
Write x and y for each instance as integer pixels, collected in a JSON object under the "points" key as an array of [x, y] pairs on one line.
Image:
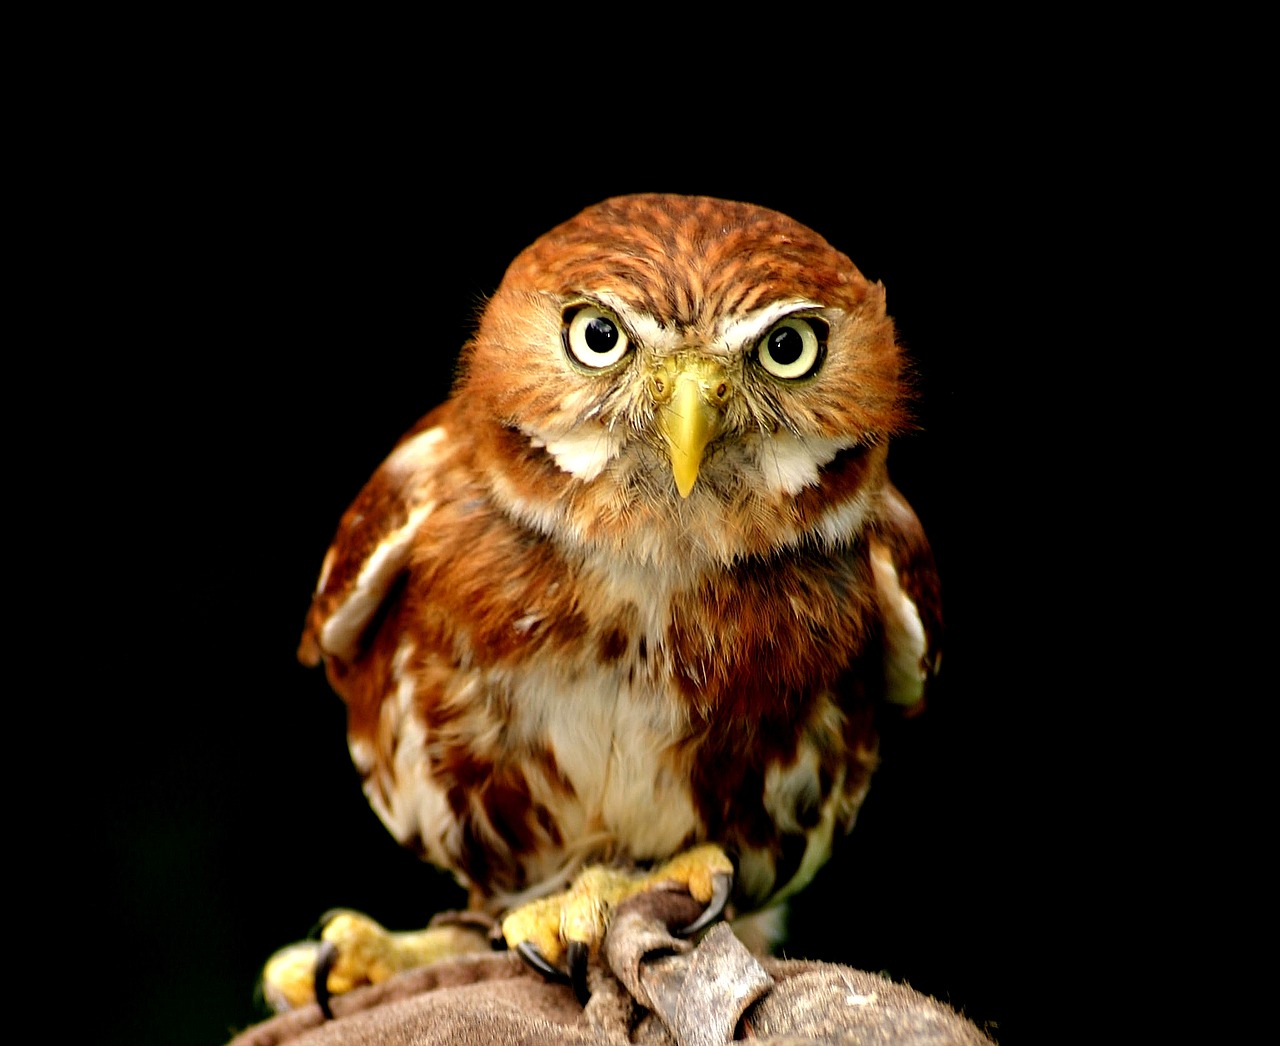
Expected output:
{"points": [[595, 338], [793, 347]]}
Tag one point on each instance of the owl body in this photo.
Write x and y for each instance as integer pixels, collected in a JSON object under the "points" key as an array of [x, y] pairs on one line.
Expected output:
{"points": [[642, 581]]}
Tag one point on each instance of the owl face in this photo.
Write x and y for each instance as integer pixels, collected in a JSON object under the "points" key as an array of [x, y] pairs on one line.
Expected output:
{"points": [[662, 357]]}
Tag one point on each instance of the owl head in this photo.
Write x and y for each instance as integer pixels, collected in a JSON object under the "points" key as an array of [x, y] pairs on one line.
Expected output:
{"points": [[662, 361]]}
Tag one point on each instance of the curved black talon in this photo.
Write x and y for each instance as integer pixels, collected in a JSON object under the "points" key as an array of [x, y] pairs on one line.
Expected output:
{"points": [[530, 954], [578, 953], [326, 956], [317, 928], [721, 884]]}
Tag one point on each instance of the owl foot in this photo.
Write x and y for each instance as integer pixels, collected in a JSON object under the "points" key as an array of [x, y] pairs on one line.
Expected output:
{"points": [[353, 950], [564, 928]]}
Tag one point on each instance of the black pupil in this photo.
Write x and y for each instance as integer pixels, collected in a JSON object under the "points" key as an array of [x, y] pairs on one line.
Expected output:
{"points": [[601, 335], [785, 345]]}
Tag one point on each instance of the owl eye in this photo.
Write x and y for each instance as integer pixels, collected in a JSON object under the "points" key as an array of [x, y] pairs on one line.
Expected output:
{"points": [[595, 338], [793, 347]]}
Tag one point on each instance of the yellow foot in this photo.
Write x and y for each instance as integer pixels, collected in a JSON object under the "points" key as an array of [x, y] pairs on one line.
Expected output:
{"points": [[353, 950], [564, 928]]}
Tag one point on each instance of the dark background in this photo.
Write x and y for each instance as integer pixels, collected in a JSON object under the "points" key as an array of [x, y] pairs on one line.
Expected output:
{"points": [[297, 280]]}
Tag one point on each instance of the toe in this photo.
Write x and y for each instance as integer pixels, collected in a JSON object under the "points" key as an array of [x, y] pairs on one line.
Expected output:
{"points": [[353, 951], [288, 978]]}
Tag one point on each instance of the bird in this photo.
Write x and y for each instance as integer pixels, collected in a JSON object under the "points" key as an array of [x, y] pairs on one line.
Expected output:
{"points": [[628, 607]]}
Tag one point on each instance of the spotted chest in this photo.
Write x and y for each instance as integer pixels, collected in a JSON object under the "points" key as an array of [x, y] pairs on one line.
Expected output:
{"points": [[575, 712]]}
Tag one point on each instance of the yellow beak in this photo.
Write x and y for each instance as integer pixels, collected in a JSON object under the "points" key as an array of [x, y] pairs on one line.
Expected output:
{"points": [[691, 395]]}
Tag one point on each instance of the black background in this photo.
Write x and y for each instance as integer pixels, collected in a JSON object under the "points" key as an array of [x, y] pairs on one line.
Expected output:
{"points": [[298, 277]]}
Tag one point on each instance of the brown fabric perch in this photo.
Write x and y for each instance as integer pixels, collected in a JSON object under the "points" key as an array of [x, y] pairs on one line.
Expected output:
{"points": [[648, 987]]}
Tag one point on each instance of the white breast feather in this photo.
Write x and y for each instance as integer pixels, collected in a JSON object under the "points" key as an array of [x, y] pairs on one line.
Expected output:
{"points": [[844, 520], [417, 805]]}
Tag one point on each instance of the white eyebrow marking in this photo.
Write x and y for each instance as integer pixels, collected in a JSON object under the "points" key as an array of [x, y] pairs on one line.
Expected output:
{"points": [[644, 328], [743, 331]]}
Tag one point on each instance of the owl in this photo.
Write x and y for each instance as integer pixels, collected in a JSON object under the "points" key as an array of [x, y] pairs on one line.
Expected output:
{"points": [[624, 610]]}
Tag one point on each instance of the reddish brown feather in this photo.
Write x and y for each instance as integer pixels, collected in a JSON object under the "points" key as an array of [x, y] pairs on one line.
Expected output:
{"points": [[759, 651]]}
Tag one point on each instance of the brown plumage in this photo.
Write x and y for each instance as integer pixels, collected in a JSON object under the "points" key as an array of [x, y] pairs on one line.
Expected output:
{"points": [[642, 582]]}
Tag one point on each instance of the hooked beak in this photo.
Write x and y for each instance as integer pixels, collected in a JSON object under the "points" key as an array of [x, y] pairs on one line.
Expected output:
{"points": [[690, 395]]}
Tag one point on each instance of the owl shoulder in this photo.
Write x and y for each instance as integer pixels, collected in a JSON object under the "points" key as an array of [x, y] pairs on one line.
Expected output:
{"points": [[376, 535]]}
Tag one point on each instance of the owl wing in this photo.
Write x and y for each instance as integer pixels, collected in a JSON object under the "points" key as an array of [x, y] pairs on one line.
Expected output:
{"points": [[370, 553], [908, 592]]}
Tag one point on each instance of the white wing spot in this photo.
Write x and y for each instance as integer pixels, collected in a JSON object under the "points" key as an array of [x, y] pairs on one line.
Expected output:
{"points": [[342, 631], [904, 639], [416, 454], [741, 332]]}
